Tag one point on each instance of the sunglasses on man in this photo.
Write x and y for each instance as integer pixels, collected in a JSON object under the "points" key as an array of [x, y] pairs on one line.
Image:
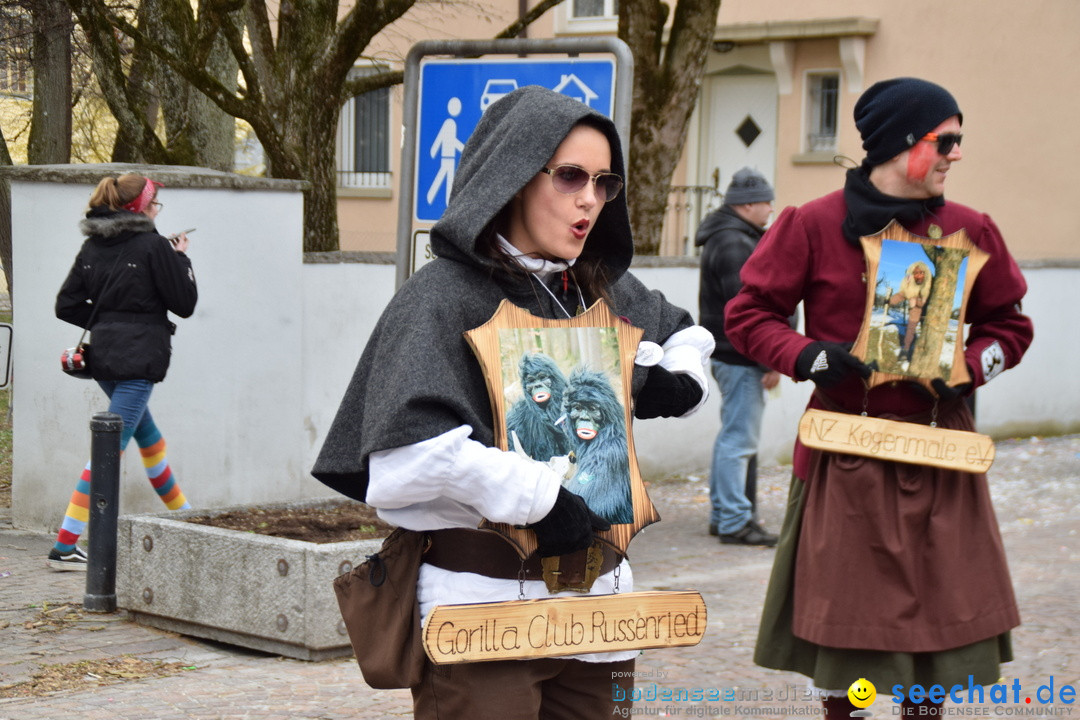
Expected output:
{"points": [[569, 179], [945, 141]]}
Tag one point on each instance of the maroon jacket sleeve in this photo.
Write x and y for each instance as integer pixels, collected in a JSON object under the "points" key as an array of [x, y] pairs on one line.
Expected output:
{"points": [[1000, 333], [756, 320]]}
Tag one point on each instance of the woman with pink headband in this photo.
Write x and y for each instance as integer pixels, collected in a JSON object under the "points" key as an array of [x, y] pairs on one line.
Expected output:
{"points": [[125, 279]]}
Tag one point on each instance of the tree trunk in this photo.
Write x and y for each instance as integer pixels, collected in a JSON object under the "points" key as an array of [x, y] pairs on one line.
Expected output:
{"points": [[141, 93], [50, 127], [667, 82], [197, 131], [926, 361]]}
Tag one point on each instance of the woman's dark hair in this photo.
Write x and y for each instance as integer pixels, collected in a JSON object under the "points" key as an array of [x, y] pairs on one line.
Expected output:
{"points": [[589, 272]]}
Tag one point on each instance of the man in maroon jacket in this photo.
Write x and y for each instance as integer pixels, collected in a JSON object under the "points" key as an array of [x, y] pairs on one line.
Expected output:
{"points": [[892, 572]]}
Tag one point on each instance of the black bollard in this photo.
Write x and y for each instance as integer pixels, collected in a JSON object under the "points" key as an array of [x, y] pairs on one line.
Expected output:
{"points": [[100, 593]]}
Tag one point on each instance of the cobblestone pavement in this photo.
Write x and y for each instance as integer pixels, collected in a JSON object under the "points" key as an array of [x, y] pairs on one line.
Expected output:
{"points": [[1035, 484]]}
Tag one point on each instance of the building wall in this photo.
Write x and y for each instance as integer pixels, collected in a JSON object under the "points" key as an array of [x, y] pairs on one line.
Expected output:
{"points": [[1007, 71]]}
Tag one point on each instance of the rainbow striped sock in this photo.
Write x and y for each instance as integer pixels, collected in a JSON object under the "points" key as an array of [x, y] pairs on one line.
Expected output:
{"points": [[152, 448], [77, 515]]}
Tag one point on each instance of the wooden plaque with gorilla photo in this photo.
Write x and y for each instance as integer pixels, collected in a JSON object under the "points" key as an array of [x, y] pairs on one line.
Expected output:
{"points": [[917, 293], [560, 394]]}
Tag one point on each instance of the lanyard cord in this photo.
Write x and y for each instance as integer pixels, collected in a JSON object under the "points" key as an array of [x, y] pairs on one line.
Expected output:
{"points": [[581, 298]]}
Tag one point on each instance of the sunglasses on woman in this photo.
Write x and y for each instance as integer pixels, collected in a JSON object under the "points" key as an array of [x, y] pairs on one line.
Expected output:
{"points": [[945, 141], [569, 179]]}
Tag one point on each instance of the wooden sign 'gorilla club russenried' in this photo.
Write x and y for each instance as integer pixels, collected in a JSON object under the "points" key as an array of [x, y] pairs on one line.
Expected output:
{"points": [[559, 393]]}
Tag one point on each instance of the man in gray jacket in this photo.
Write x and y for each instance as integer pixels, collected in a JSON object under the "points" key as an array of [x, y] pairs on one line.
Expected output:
{"points": [[729, 235]]}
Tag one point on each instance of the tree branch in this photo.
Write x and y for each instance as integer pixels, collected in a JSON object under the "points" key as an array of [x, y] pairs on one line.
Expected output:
{"points": [[197, 76], [515, 28], [105, 57]]}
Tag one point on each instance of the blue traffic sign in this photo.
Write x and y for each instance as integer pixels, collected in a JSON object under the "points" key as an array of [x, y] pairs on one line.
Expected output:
{"points": [[453, 94]]}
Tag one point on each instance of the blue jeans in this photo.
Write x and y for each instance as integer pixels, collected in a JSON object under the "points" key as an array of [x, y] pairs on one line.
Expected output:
{"points": [[742, 403], [129, 400]]}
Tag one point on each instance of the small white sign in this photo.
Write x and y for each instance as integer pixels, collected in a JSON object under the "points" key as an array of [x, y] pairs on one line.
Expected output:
{"points": [[421, 250], [6, 333]]}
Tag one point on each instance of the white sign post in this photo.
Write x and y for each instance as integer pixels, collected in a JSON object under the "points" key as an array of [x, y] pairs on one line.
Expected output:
{"points": [[6, 333]]}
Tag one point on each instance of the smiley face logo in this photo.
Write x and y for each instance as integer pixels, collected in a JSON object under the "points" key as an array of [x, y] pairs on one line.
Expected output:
{"points": [[862, 693]]}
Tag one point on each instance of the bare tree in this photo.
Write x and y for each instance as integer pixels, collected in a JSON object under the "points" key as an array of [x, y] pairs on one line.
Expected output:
{"points": [[50, 127], [294, 78], [667, 82]]}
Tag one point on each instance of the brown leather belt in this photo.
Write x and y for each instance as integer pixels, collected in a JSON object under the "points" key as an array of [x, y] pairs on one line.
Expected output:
{"points": [[487, 553]]}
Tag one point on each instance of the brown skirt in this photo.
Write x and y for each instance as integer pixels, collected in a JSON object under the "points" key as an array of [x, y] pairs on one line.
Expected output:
{"points": [[896, 556], [889, 563], [833, 668]]}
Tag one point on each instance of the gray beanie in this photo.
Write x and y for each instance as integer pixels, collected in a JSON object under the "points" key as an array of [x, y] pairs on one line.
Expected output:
{"points": [[748, 186], [895, 114]]}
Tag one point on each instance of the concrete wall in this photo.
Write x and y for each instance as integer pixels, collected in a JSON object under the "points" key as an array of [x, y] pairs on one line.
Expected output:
{"points": [[260, 368]]}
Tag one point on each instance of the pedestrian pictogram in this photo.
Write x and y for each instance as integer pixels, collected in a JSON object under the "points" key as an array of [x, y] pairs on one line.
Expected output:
{"points": [[455, 93]]}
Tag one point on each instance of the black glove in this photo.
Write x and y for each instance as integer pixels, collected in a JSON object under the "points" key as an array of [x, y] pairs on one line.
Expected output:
{"points": [[568, 527], [947, 392], [828, 363], [666, 394]]}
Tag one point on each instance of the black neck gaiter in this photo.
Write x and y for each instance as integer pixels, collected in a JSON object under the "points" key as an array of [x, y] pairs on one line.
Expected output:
{"points": [[869, 210]]}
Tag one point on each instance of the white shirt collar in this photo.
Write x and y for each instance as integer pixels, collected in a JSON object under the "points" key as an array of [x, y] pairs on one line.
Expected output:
{"points": [[537, 266]]}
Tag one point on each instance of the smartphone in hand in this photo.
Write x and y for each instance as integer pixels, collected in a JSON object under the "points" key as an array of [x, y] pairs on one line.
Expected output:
{"points": [[175, 239]]}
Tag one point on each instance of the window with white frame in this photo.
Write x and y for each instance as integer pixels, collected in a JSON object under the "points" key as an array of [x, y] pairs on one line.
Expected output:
{"points": [[587, 16], [594, 8], [363, 147], [822, 98]]}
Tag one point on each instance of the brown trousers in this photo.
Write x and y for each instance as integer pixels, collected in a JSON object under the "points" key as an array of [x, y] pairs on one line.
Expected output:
{"points": [[545, 689]]}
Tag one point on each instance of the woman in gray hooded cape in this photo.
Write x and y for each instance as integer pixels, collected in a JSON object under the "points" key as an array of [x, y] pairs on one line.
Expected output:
{"points": [[536, 216]]}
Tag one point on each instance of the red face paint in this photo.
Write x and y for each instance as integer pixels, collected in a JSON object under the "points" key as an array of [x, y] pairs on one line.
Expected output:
{"points": [[920, 159]]}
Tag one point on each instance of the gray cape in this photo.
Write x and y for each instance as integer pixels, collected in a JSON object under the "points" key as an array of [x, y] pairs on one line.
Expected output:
{"points": [[417, 377]]}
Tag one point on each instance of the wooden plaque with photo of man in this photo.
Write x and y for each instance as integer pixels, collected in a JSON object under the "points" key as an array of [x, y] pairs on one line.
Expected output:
{"points": [[916, 300]]}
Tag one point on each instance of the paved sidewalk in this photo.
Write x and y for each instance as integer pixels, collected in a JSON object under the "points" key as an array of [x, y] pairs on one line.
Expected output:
{"points": [[1036, 486]]}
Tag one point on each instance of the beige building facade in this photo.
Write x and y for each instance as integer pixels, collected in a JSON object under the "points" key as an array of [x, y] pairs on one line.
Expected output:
{"points": [[780, 86]]}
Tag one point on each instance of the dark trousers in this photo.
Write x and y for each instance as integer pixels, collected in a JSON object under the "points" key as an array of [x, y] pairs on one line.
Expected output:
{"points": [[545, 689]]}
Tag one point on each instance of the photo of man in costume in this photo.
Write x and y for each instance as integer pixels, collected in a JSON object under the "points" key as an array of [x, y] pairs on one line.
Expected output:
{"points": [[892, 572], [601, 453], [537, 422]]}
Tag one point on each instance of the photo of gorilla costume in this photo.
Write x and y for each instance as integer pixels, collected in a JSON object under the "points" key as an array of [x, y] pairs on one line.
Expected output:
{"points": [[598, 425], [535, 418]]}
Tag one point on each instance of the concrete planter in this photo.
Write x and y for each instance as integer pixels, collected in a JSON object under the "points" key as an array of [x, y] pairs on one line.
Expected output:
{"points": [[265, 593]]}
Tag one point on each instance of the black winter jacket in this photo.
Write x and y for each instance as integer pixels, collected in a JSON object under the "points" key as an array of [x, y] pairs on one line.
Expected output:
{"points": [[142, 277], [728, 241]]}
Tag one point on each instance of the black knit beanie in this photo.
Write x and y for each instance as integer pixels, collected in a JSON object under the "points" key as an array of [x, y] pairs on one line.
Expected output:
{"points": [[893, 115]]}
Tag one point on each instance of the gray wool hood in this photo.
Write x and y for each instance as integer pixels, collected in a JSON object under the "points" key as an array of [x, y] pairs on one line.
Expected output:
{"points": [[505, 152]]}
